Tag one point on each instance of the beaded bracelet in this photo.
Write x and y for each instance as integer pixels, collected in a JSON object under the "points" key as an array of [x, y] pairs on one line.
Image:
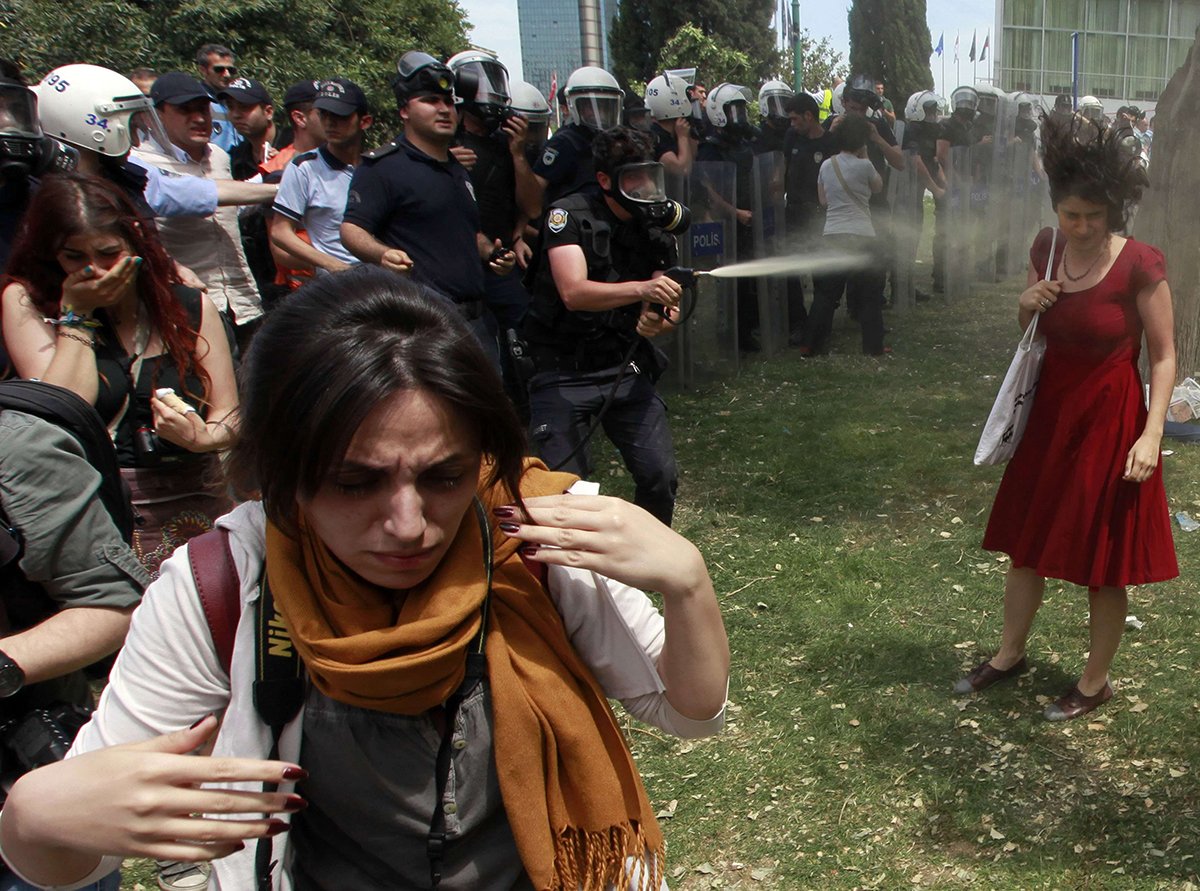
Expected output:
{"points": [[79, 337], [72, 319]]}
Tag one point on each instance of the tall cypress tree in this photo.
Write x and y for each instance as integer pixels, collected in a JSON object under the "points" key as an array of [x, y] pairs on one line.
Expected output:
{"points": [[896, 53]]}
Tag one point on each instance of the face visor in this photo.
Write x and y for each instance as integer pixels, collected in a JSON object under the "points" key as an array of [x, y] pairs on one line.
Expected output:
{"points": [[933, 111], [987, 105], [596, 110], [18, 111], [490, 82], [641, 183], [774, 105], [736, 114]]}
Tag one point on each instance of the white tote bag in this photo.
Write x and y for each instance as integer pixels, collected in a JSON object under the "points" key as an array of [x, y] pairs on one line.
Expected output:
{"points": [[1014, 402]]}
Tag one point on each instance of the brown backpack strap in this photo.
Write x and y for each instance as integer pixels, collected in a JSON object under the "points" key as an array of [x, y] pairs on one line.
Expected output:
{"points": [[219, 587]]}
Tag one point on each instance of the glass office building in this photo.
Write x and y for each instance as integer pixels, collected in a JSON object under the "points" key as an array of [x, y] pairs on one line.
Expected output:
{"points": [[562, 35], [1128, 48]]}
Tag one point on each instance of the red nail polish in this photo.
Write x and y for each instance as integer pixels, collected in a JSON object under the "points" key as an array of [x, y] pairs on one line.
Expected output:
{"points": [[510, 527], [275, 827], [295, 803], [529, 550], [503, 511], [295, 773]]}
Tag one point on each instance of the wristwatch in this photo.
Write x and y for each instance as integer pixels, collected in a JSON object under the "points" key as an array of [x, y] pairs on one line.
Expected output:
{"points": [[12, 678]]}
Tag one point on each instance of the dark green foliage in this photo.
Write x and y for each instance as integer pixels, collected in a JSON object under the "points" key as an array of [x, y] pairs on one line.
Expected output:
{"points": [[889, 39], [643, 28], [277, 41]]}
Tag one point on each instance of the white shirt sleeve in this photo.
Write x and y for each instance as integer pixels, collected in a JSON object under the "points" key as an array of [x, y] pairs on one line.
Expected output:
{"points": [[170, 195], [619, 634], [292, 198]]}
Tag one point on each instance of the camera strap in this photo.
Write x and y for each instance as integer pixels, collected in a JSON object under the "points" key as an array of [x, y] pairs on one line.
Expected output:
{"points": [[476, 669], [279, 686]]}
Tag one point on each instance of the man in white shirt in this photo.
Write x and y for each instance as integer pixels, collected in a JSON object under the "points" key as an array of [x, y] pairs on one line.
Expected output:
{"points": [[210, 246]]}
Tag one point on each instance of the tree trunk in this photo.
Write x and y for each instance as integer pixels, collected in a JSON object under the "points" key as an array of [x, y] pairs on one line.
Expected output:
{"points": [[1167, 214]]}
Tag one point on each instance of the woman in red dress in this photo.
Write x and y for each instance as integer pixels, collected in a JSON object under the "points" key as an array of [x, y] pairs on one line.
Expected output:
{"points": [[1082, 499]]}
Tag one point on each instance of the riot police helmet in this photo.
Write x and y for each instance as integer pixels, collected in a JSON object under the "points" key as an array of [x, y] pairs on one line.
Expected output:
{"points": [[94, 108], [594, 97], [528, 101], [965, 100], [418, 74], [1091, 108], [924, 106], [726, 105], [771, 98], [481, 84], [861, 89], [667, 98]]}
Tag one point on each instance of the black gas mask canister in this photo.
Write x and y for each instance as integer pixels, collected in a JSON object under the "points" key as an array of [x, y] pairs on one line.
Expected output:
{"points": [[640, 189]]}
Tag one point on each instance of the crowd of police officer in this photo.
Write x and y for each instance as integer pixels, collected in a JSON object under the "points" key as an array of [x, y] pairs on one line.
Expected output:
{"points": [[580, 221]]}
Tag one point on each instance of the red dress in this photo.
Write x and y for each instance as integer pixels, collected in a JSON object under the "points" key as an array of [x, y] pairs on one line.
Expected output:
{"points": [[1063, 508]]}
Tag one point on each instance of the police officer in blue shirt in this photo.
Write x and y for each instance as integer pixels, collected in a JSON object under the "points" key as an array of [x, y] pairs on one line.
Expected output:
{"points": [[411, 206]]}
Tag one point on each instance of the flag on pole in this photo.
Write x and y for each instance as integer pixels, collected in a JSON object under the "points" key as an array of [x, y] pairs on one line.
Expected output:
{"points": [[987, 41], [971, 54], [939, 47], [553, 89], [955, 47]]}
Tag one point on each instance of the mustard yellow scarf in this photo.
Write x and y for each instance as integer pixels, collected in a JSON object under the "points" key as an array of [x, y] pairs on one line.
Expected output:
{"points": [[571, 791]]}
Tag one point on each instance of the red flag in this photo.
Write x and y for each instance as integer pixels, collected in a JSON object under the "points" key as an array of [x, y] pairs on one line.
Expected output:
{"points": [[553, 89], [987, 41]]}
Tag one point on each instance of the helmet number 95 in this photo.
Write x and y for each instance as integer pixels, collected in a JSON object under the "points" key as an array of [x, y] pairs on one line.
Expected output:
{"points": [[58, 83]]}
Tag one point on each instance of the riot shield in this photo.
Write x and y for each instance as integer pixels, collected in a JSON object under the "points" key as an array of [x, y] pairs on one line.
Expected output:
{"points": [[906, 195], [959, 238], [1019, 236], [767, 220], [706, 341]]}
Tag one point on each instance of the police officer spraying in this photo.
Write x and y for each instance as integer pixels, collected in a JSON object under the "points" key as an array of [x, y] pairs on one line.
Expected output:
{"points": [[411, 207], [598, 290]]}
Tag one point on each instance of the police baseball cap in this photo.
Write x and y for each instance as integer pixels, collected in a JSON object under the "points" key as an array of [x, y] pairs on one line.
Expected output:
{"points": [[341, 96], [247, 92], [301, 92], [177, 88]]}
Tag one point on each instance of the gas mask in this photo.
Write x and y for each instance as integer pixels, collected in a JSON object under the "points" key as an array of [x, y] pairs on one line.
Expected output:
{"points": [[640, 189], [24, 150]]}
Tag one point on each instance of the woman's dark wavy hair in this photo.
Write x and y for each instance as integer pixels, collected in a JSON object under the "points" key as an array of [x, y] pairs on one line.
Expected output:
{"points": [[1095, 163], [853, 132], [70, 204], [334, 351]]}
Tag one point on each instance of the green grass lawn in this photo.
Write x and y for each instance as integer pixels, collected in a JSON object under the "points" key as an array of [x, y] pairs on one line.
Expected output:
{"points": [[840, 514], [838, 508]]}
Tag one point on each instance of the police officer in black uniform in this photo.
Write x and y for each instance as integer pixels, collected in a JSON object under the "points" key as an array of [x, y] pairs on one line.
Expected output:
{"points": [[411, 206], [565, 166], [597, 288]]}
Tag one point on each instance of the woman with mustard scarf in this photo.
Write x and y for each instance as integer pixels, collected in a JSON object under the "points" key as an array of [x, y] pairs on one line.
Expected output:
{"points": [[398, 532]]}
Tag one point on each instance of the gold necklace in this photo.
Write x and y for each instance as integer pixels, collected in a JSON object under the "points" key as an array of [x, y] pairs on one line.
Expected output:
{"points": [[1100, 253]]}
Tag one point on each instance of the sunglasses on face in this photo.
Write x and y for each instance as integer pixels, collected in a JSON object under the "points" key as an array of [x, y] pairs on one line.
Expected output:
{"points": [[225, 69]]}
